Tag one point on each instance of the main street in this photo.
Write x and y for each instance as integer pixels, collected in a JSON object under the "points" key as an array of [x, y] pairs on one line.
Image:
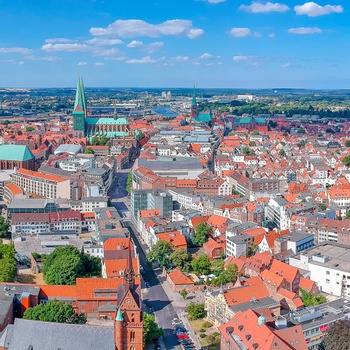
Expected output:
{"points": [[155, 296]]}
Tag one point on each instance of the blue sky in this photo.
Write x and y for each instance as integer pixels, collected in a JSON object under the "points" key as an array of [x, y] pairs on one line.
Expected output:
{"points": [[175, 43]]}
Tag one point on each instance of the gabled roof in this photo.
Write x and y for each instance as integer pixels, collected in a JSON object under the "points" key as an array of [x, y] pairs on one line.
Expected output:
{"points": [[179, 278], [17, 153]]}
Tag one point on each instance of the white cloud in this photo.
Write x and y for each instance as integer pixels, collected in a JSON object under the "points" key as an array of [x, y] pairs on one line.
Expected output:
{"points": [[21, 63], [58, 40], [46, 58], [242, 58], [215, 1], [305, 30], [65, 47], [257, 7], [99, 64], [205, 56], [312, 9], [107, 53], [285, 65], [21, 50], [153, 47], [195, 33], [146, 59], [135, 43], [137, 27], [272, 35], [257, 35], [82, 63], [196, 63], [9, 61], [240, 32], [209, 64], [104, 42], [181, 58]]}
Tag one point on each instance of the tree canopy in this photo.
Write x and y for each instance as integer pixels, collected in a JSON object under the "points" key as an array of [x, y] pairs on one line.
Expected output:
{"points": [[89, 150], [338, 336], [160, 252], [128, 183], [203, 231], [8, 263], [311, 300], [201, 265], [346, 161], [54, 311], [196, 311], [4, 226], [65, 264], [230, 274], [180, 258], [151, 331]]}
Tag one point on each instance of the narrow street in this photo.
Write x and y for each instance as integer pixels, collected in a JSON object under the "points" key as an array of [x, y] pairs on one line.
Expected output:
{"points": [[155, 296]]}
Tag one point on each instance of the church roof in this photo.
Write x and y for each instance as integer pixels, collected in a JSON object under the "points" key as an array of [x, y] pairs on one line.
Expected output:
{"points": [[18, 153], [119, 316], [53, 336], [203, 117], [80, 99], [106, 121]]}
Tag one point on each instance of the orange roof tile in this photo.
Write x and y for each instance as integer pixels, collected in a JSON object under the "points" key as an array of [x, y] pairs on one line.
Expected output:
{"points": [[179, 278], [14, 189]]}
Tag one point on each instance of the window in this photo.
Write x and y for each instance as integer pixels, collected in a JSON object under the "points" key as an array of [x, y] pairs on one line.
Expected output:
{"points": [[132, 336]]}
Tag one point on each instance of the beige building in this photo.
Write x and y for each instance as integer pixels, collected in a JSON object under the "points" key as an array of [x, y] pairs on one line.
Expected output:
{"points": [[43, 185]]}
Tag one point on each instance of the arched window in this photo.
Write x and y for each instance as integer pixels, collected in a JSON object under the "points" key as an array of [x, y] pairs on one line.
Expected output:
{"points": [[132, 336]]}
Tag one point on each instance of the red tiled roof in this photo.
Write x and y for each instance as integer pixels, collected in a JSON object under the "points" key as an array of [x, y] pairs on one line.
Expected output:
{"points": [[179, 278]]}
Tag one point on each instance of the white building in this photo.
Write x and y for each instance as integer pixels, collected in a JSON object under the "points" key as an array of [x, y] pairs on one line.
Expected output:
{"points": [[329, 266], [237, 245]]}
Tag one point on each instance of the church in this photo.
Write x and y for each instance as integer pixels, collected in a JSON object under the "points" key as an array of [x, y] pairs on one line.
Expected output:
{"points": [[125, 334], [90, 127]]}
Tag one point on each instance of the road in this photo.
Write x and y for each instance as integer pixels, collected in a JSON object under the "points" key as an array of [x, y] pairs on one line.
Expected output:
{"points": [[154, 296]]}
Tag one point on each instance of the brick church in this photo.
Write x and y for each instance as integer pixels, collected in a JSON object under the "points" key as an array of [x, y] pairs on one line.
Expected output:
{"points": [[125, 334]]}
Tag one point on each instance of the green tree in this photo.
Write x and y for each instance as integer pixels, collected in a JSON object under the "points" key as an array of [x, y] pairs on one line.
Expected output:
{"points": [[338, 336], [213, 338], [347, 215], [230, 274], [252, 249], [218, 264], [180, 258], [95, 141], [322, 206], [141, 135], [54, 311], [8, 263], [184, 293], [347, 143], [65, 264], [4, 227], [201, 265], [128, 183], [346, 161], [282, 153], [89, 150], [30, 128], [196, 311], [151, 331], [301, 131], [311, 300], [256, 132], [252, 143], [160, 252], [203, 232]]}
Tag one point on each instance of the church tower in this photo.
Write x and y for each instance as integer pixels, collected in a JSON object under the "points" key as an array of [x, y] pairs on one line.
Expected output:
{"points": [[128, 325], [80, 109], [194, 106]]}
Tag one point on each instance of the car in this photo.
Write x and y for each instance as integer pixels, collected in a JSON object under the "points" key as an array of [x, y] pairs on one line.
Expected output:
{"points": [[180, 330], [176, 320], [148, 285], [178, 326], [142, 270], [182, 336]]}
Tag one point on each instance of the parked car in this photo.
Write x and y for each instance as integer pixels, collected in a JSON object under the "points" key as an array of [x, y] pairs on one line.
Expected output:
{"points": [[148, 285]]}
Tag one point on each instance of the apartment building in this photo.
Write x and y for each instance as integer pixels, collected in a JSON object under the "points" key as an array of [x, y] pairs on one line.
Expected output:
{"points": [[43, 185]]}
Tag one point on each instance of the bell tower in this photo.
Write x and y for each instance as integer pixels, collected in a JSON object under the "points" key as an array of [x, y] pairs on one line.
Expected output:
{"points": [[194, 106], [80, 109], [128, 325]]}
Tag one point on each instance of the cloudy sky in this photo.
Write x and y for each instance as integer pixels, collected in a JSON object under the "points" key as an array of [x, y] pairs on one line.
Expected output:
{"points": [[175, 43]]}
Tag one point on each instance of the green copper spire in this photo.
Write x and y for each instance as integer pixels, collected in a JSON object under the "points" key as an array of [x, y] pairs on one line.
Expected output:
{"points": [[80, 99], [79, 111], [194, 100], [119, 317]]}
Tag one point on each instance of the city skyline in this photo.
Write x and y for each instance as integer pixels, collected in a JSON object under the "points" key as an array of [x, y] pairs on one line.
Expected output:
{"points": [[212, 43]]}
